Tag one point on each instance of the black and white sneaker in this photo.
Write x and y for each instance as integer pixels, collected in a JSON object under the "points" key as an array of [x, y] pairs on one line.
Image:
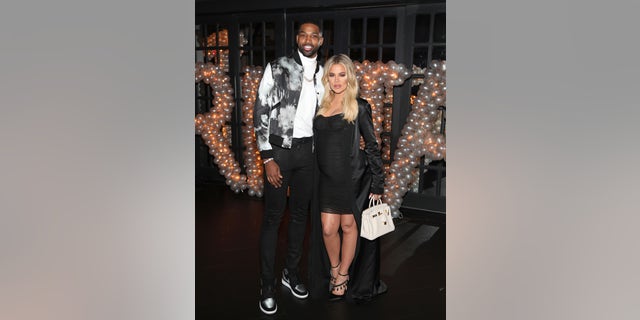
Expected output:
{"points": [[292, 281], [267, 302]]}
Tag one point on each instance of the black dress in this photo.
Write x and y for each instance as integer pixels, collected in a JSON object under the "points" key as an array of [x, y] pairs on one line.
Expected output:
{"points": [[333, 137], [364, 176]]}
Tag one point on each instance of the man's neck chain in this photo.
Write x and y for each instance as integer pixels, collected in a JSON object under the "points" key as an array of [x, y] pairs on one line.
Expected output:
{"points": [[307, 79]]}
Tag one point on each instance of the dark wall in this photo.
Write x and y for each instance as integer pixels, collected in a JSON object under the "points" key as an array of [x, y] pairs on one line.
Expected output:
{"points": [[233, 6]]}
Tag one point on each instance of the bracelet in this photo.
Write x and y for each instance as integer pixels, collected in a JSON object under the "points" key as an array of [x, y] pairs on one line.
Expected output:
{"points": [[267, 161]]}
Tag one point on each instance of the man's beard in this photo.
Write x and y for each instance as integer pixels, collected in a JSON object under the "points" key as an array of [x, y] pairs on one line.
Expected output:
{"points": [[310, 55]]}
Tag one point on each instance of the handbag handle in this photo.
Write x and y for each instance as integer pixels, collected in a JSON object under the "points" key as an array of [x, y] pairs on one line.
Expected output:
{"points": [[374, 202]]}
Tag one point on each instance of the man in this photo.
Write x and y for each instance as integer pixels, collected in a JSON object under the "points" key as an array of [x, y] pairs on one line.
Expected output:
{"points": [[288, 97]]}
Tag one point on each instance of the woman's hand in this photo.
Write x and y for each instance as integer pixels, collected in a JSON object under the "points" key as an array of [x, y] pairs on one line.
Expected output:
{"points": [[375, 197]]}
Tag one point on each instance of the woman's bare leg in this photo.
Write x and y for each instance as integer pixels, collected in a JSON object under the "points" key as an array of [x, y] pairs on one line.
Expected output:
{"points": [[330, 225], [349, 241]]}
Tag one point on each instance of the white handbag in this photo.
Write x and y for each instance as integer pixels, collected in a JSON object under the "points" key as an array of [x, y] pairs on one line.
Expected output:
{"points": [[376, 220]]}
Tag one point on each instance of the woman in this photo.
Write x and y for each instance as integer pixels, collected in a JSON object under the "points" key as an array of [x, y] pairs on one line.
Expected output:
{"points": [[346, 177]]}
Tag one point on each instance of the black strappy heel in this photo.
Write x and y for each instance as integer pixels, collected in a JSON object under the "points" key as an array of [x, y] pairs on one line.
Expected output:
{"points": [[332, 279], [339, 286]]}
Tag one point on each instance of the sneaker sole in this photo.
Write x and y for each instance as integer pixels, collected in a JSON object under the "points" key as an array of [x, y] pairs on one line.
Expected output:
{"points": [[265, 311], [286, 284]]}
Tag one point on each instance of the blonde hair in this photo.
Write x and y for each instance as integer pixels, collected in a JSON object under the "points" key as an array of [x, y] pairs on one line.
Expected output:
{"points": [[349, 103]]}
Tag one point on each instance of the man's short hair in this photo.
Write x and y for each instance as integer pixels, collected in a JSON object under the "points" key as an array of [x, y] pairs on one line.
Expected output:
{"points": [[297, 24]]}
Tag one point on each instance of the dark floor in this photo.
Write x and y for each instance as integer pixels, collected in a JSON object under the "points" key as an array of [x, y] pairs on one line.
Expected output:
{"points": [[227, 231]]}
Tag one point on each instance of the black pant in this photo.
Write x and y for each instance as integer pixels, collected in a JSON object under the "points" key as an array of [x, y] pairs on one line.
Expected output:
{"points": [[296, 167]]}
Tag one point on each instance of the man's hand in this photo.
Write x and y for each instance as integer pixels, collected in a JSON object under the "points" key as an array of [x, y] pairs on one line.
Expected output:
{"points": [[273, 173]]}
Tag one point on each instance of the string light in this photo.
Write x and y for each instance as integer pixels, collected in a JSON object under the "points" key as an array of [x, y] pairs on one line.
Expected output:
{"points": [[210, 125], [377, 80], [251, 154], [420, 135]]}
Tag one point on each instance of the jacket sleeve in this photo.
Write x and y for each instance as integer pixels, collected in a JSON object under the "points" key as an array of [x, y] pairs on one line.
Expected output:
{"points": [[261, 112], [371, 147]]}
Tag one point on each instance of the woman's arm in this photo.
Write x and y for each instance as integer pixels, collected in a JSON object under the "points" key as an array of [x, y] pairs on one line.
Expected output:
{"points": [[371, 147]]}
